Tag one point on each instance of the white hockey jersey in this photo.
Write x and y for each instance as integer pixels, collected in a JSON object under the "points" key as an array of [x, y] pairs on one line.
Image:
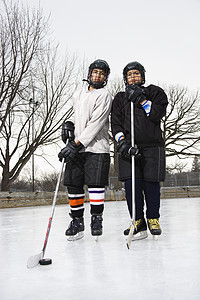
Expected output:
{"points": [[91, 118]]}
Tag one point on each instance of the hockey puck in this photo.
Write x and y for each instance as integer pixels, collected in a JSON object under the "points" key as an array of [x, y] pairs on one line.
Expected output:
{"points": [[45, 261]]}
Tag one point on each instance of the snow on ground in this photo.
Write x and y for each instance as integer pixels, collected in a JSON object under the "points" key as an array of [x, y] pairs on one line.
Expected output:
{"points": [[84, 270]]}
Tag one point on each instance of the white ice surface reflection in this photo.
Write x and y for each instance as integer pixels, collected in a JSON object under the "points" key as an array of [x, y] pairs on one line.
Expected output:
{"points": [[84, 270]]}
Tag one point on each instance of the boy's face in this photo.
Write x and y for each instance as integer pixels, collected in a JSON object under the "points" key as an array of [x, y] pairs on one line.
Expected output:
{"points": [[134, 77], [98, 75]]}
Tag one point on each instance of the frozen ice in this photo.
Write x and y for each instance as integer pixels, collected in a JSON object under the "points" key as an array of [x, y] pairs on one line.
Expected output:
{"points": [[105, 269]]}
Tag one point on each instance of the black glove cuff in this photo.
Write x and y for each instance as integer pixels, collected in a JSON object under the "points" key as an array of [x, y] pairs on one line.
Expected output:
{"points": [[67, 131], [74, 146]]}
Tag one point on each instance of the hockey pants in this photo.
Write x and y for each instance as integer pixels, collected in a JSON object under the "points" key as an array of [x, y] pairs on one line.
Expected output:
{"points": [[147, 191]]}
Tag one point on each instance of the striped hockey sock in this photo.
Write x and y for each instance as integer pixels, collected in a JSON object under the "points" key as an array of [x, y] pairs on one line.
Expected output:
{"points": [[96, 196], [76, 202]]}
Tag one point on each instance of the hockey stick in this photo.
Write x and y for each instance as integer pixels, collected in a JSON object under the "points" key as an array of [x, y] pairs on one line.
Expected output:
{"points": [[132, 227], [34, 260]]}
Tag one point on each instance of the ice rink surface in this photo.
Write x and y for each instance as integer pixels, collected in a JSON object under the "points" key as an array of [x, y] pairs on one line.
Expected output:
{"points": [[85, 269]]}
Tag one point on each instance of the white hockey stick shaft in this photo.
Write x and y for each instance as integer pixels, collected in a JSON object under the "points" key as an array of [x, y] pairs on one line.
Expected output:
{"points": [[34, 260], [53, 206], [130, 235]]}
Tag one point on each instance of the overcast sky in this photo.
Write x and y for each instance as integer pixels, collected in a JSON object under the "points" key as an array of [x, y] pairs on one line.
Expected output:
{"points": [[162, 35]]}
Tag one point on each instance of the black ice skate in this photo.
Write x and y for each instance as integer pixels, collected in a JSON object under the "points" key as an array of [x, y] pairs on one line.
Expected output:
{"points": [[154, 227], [75, 229], [96, 225], [140, 231]]}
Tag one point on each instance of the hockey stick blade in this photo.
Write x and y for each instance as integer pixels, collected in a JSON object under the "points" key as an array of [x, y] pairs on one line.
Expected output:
{"points": [[33, 260], [130, 235]]}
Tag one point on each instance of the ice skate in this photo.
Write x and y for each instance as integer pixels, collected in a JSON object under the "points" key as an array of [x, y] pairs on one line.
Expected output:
{"points": [[75, 229], [96, 225], [140, 231], [154, 228]]}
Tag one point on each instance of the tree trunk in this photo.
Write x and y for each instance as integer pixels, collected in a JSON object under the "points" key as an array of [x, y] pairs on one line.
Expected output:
{"points": [[5, 182]]}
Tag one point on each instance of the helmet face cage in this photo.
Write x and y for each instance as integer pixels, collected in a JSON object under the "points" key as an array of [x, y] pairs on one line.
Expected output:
{"points": [[134, 66], [102, 65]]}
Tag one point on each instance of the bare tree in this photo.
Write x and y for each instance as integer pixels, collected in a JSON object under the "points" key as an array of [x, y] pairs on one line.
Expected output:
{"points": [[36, 88], [48, 182], [196, 164], [21, 36], [181, 125], [176, 167], [114, 86]]}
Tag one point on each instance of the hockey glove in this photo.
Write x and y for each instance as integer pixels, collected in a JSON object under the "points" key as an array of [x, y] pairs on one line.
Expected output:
{"points": [[134, 93], [67, 131], [70, 152], [126, 150]]}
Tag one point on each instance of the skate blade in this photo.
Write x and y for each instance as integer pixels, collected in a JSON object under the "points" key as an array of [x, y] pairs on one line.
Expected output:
{"points": [[155, 237], [140, 235], [76, 237]]}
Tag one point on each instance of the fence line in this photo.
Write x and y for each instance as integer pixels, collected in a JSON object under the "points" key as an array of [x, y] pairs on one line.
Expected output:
{"points": [[172, 180], [182, 179]]}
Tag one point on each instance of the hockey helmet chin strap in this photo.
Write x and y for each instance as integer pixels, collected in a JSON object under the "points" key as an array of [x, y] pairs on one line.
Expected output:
{"points": [[96, 85]]}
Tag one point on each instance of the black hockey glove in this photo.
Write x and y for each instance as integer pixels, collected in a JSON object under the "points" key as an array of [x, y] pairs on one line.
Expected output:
{"points": [[126, 150], [134, 93], [67, 131], [70, 152]]}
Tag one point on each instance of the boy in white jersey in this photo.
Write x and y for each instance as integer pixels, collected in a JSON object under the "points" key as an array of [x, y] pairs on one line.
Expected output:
{"points": [[87, 152]]}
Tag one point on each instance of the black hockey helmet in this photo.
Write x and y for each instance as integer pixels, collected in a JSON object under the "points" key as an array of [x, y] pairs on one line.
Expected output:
{"points": [[134, 66], [102, 65]]}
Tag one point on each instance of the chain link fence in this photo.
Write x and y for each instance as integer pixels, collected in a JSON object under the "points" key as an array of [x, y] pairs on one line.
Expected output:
{"points": [[182, 179], [172, 180]]}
